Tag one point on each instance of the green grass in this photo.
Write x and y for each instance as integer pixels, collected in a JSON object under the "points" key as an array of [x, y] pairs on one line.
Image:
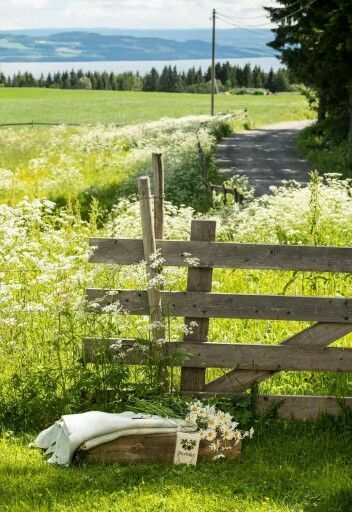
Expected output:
{"points": [[287, 467], [63, 106], [325, 151]]}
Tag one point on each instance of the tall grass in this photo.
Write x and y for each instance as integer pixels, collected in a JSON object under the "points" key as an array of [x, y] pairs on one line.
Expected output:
{"points": [[77, 164]]}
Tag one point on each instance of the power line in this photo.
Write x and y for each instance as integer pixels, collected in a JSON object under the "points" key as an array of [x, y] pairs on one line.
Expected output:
{"points": [[241, 27], [241, 17], [235, 18], [276, 21]]}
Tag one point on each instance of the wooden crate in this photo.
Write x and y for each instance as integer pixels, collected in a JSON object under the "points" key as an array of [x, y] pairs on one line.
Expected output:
{"points": [[147, 448]]}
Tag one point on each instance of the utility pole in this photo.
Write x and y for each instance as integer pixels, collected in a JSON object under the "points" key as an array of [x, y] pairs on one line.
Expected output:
{"points": [[213, 66]]}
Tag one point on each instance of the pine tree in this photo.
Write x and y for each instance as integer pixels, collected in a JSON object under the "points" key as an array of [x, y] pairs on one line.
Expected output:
{"points": [[151, 81], [73, 79], [269, 84], [49, 81], [41, 81], [65, 81], [247, 76], [257, 78]]}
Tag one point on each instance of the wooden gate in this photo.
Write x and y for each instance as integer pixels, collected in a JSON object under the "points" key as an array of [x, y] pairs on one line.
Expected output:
{"points": [[306, 351]]}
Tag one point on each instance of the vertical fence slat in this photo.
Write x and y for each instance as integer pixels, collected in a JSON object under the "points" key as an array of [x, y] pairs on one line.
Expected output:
{"points": [[149, 247], [199, 280], [158, 179]]}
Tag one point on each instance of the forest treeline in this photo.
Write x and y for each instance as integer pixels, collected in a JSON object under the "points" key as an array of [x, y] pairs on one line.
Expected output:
{"points": [[228, 77]]}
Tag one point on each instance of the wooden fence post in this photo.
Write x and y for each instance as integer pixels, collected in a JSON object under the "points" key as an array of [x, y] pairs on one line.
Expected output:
{"points": [[199, 280], [158, 179], [149, 247], [224, 192]]}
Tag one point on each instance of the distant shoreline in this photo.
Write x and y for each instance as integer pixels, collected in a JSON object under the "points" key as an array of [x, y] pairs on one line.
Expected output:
{"points": [[142, 66]]}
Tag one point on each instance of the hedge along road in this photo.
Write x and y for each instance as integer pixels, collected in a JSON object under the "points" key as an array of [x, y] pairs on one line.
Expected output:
{"points": [[267, 155]]}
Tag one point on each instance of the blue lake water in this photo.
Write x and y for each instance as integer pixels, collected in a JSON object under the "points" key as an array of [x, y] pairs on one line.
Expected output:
{"points": [[36, 68]]}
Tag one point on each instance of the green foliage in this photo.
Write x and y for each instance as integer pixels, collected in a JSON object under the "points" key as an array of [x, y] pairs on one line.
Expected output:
{"points": [[314, 40], [325, 150], [169, 80], [102, 162]]}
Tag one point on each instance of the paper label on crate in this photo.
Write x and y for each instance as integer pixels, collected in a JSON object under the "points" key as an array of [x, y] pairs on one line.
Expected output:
{"points": [[187, 446]]}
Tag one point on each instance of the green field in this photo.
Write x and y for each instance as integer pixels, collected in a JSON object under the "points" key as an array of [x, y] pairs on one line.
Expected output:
{"points": [[123, 107]]}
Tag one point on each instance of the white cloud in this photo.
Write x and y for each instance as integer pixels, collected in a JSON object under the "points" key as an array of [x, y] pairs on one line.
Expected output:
{"points": [[50, 5], [123, 13]]}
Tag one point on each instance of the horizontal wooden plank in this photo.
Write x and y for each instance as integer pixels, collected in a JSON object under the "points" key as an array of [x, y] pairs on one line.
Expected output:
{"points": [[298, 407], [318, 335], [226, 255], [228, 305], [148, 448], [302, 407], [224, 355]]}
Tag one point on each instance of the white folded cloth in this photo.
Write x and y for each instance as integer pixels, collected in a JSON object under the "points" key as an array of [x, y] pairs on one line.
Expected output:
{"points": [[90, 429]]}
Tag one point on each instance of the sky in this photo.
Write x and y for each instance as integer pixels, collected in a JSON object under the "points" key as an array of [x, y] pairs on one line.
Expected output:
{"points": [[18, 14]]}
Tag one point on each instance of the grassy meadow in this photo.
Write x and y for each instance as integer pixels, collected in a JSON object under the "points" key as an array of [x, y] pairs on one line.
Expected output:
{"points": [[125, 107], [77, 163], [61, 185]]}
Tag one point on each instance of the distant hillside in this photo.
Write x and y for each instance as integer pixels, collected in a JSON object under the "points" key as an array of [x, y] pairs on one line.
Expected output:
{"points": [[108, 44]]}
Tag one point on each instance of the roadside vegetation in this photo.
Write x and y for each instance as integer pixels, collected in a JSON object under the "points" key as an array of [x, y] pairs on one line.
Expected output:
{"points": [[314, 41], [79, 163], [326, 148], [288, 467]]}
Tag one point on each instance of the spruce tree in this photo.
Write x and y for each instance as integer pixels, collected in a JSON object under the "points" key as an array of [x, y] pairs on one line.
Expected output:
{"points": [[314, 40]]}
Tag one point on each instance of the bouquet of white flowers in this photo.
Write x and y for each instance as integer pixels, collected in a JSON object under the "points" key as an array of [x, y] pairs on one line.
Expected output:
{"points": [[217, 427]]}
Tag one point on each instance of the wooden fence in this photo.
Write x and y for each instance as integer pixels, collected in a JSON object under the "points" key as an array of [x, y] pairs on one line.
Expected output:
{"points": [[246, 363], [225, 191]]}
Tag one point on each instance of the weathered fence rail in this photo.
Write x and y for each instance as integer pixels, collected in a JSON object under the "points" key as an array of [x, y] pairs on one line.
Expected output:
{"points": [[226, 255], [222, 189], [220, 355], [228, 305], [307, 350]]}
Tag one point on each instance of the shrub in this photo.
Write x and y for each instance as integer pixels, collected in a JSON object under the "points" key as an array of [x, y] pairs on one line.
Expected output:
{"points": [[326, 148]]}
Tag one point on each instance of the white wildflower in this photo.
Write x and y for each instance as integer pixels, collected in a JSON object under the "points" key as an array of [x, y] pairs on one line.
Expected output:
{"points": [[219, 456]]}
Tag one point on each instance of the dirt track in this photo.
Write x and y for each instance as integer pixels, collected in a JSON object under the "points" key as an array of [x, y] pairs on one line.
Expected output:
{"points": [[266, 155]]}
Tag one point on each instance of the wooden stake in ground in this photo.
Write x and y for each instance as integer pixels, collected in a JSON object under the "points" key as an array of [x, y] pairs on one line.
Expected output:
{"points": [[149, 247], [158, 178], [199, 280]]}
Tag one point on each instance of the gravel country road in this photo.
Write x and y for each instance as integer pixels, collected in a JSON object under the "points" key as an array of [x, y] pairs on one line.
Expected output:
{"points": [[266, 155]]}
